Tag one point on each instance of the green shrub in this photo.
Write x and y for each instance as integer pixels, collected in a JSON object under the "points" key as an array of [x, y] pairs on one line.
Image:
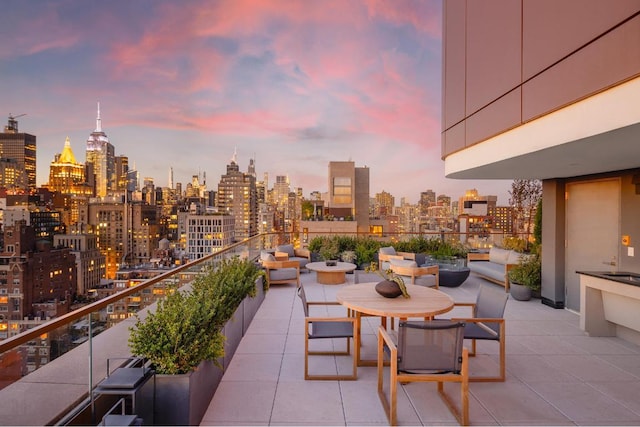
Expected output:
{"points": [[186, 327], [528, 272], [515, 244]]}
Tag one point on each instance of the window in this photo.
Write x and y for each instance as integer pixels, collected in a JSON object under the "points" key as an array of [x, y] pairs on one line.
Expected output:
{"points": [[342, 190]]}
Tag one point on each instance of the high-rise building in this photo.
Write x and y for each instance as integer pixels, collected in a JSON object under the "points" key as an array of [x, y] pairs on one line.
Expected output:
{"points": [[101, 154], [384, 203], [427, 199], [66, 175], [281, 191], [19, 147], [237, 197], [127, 231], [349, 193], [90, 263], [207, 233], [122, 174]]}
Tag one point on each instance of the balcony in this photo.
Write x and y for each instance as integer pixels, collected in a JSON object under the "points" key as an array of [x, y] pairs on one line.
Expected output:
{"points": [[556, 375]]}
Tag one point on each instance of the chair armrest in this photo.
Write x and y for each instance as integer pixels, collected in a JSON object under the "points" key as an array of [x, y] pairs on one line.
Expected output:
{"points": [[407, 255], [480, 321], [323, 303], [330, 319], [281, 256], [473, 256], [387, 338], [272, 265], [303, 253], [414, 272]]}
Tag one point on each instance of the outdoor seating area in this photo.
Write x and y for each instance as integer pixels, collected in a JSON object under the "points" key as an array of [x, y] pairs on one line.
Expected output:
{"points": [[554, 373]]}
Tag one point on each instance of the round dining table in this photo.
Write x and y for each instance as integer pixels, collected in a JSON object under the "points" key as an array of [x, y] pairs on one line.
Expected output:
{"points": [[363, 299]]}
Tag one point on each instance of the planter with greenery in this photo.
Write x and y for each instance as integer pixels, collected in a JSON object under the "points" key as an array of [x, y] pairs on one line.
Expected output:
{"points": [[183, 339], [526, 277]]}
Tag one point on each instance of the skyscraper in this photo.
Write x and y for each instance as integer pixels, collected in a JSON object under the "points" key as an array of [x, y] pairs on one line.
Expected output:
{"points": [[20, 148], [349, 192], [237, 197], [66, 175], [101, 154]]}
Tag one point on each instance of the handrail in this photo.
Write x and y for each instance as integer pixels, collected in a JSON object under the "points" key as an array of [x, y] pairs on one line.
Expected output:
{"points": [[28, 335]]}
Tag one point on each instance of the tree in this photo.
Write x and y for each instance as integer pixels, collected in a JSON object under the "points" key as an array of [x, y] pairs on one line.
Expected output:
{"points": [[524, 197], [537, 226], [307, 210]]}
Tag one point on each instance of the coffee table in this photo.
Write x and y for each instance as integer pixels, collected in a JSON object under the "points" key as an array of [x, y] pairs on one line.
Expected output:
{"points": [[331, 275]]}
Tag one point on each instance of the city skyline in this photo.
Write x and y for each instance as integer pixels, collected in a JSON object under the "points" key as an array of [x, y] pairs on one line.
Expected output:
{"points": [[292, 84]]}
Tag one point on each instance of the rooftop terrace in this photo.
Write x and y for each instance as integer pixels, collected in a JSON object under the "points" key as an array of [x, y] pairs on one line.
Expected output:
{"points": [[556, 375]]}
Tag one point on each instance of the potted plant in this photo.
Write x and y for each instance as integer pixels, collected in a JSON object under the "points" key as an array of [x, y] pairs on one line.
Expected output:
{"points": [[349, 256], [366, 250], [525, 277], [184, 342]]}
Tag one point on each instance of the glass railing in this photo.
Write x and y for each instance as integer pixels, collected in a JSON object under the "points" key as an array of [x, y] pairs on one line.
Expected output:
{"points": [[44, 340]]}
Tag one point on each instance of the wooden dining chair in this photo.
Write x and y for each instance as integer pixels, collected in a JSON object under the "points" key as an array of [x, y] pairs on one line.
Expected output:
{"points": [[327, 328], [430, 351], [487, 323]]}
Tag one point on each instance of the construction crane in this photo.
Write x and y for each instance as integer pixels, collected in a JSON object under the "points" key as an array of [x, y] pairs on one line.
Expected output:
{"points": [[12, 125]]}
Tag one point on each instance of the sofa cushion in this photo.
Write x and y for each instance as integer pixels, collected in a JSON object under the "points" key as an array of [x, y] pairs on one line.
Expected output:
{"points": [[301, 260], [283, 274], [286, 248], [388, 250], [403, 262], [266, 256], [514, 257], [489, 269], [499, 255]]}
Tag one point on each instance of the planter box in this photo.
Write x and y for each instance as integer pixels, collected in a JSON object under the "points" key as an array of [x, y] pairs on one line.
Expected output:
{"points": [[184, 399]]}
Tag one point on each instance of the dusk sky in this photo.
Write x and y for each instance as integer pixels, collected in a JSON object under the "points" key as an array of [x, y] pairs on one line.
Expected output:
{"points": [[181, 84]]}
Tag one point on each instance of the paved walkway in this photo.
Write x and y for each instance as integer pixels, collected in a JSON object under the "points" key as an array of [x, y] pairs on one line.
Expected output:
{"points": [[555, 374]]}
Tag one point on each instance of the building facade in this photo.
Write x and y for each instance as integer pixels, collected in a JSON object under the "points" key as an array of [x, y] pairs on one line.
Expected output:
{"points": [[90, 263], [66, 175], [349, 193], [101, 154], [207, 233], [236, 196], [548, 90], [18, 147]]}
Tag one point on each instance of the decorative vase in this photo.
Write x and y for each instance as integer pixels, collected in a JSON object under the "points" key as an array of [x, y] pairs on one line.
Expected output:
{"points": [[388, 289]]}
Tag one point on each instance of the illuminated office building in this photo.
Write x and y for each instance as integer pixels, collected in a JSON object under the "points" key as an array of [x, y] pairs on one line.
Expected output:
{"points": [[20, 148]]}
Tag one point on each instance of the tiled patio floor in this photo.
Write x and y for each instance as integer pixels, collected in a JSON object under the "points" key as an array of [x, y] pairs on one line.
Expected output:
{"points": [[556, 375]]}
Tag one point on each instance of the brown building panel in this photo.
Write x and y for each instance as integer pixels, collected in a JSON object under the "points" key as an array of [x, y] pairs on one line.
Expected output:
{"points": [[547, 34], [497, 31], [493, 51], [454, 139], [497, 117], [606, 62], [453, 63]]}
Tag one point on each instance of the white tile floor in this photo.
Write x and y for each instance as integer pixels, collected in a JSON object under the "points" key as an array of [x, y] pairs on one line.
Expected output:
{"points": [[555, 374]]}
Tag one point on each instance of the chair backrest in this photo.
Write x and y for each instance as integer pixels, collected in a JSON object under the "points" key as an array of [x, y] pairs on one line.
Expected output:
{"points": [[490, 304], [430, 347], [303, 298], [360, 276]]}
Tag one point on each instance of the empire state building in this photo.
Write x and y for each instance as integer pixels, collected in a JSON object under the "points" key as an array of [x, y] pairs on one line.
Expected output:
{"points": [[101, 154]]}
